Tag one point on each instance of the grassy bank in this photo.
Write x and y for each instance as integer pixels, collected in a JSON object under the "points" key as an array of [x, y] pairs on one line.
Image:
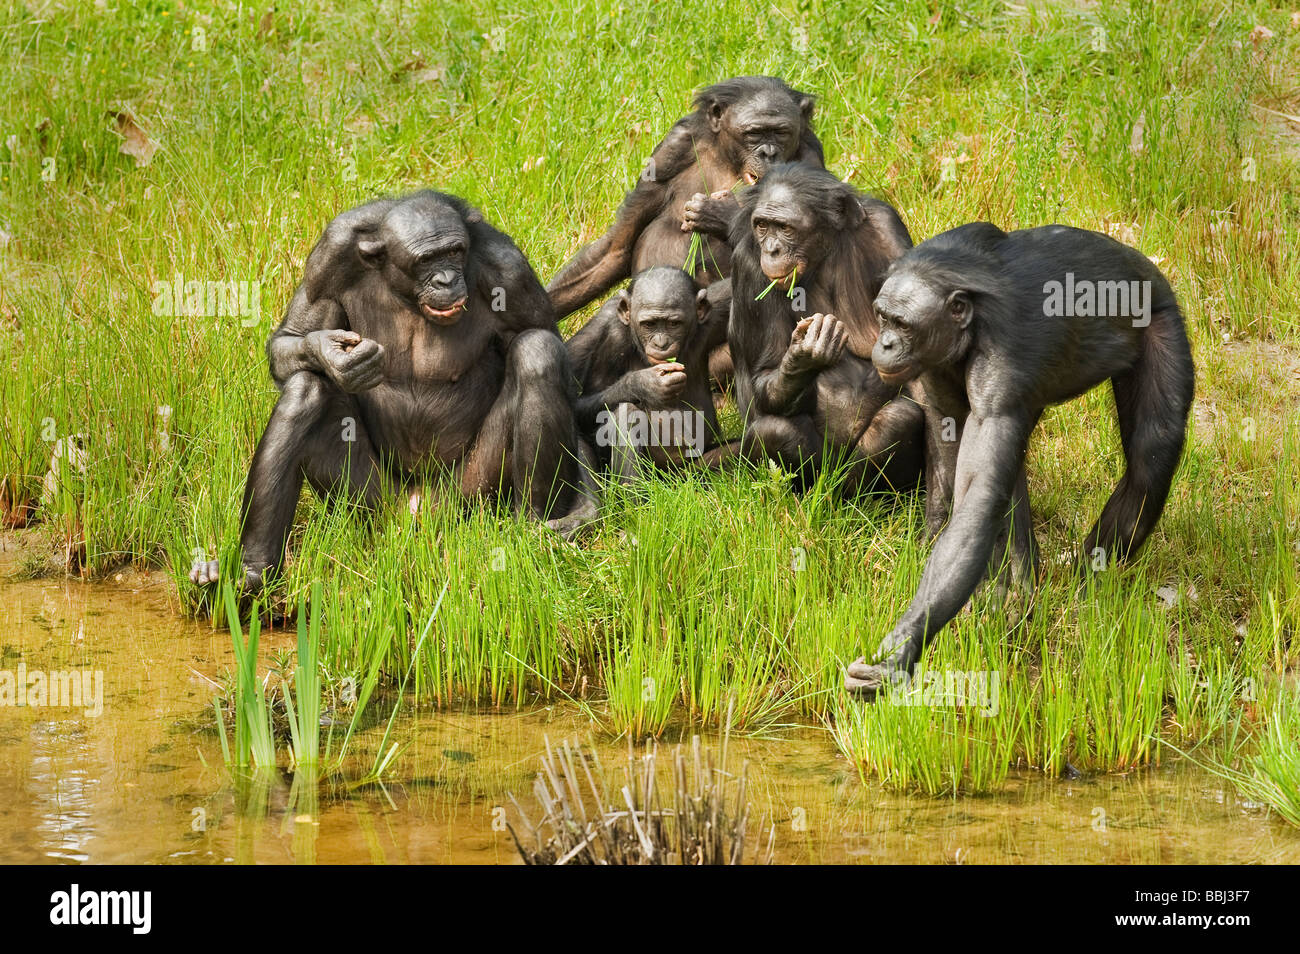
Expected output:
{"points": [[1161, 123]]}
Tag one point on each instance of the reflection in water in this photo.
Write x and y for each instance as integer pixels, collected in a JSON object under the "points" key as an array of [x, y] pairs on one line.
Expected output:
{"points": [[62, 769], [144, 782]]}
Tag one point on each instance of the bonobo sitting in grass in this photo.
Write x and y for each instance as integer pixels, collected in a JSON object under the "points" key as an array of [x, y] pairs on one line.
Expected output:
{"points": [[993, 328], [642, 362], [810, 256], [420, 338]]}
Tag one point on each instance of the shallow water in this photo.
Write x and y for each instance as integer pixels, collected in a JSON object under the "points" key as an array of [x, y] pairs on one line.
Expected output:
{"points": [[143, 782]]}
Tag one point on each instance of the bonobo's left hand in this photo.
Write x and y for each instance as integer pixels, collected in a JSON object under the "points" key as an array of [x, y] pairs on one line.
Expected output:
{"points": [[711, 213], [352, 362]]}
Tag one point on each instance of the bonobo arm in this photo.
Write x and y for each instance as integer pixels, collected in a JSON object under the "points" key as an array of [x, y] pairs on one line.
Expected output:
{"points": [[602, 264], [817, 343], [314, 334], [649, 388], [989, 461]]}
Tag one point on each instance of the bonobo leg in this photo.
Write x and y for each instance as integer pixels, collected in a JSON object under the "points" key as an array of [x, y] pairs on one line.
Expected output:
{"points": [[793, 442], [315, 432], [528, 443], [989, 462], [1152, 400], [884, 434]]}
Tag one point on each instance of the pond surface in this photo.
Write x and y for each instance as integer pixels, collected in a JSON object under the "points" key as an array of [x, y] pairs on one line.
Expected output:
{"points": [[143, 781]]}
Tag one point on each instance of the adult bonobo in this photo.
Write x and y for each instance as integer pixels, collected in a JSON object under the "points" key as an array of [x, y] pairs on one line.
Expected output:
{"points": [[642, 361], [420, 338], [739, 129], [810, 255], [994, 327]]}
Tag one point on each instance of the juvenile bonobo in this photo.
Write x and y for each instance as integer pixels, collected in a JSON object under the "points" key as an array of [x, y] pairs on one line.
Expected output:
{"points": [[738, 130], [420, 338], [804, 380], [995, 327], [642, 361]]}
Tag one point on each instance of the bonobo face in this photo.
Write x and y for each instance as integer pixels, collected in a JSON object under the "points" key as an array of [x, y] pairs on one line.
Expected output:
{"points": [[664, 310], [921, 327], [761, 131], [785, 230], [425, 245]]}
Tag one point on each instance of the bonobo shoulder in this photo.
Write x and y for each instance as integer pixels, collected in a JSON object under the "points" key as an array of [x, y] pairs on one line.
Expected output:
{"points": [[676, 151], [333, 258], [887, 223]]}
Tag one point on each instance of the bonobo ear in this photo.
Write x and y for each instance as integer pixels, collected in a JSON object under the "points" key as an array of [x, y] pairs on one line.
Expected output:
{"points": [[702, 306], [715, 110], [624, 307], [961, 308], [473, 217], [851, 212], [806, 106], [371, 251]]}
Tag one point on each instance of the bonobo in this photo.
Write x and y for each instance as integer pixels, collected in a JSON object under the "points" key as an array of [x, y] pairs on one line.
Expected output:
{"points": [[810, 255], [739, 129], [642, 361], [420, 337], [994, 327]]}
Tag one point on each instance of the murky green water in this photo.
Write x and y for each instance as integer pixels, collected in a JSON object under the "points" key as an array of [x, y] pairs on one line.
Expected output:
{"points": [[143, 782]]}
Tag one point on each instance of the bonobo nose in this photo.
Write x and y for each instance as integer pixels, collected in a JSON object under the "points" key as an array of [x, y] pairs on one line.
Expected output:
{"points": [[442, 279]]}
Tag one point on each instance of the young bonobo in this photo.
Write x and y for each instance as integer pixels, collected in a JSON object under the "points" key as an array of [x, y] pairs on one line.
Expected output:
{"points": [[994, 327], [642, 361], [810, 256], [420, 337]]}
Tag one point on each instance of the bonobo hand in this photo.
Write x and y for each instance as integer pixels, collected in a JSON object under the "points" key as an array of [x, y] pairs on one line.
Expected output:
{"points": [[708, 213], [892, 668], [354, 363], [658, 385], [817, 342]]}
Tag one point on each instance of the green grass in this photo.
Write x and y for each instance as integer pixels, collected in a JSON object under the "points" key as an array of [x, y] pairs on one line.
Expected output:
{"points": [[726, 592]]}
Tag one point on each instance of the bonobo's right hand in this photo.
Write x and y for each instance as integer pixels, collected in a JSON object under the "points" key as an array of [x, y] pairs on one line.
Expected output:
{"points": [[817, 342], [352, 362], [658, 385]]}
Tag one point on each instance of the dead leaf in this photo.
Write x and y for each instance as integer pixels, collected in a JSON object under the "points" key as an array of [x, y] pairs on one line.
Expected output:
{"points": [[1260, 34], [135, 142]]}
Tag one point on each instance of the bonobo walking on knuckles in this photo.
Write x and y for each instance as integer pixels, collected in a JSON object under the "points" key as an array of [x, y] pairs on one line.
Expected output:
{"points": [[810, 255], [739, 129], [994, 327], [419, 337], [642, 361]]}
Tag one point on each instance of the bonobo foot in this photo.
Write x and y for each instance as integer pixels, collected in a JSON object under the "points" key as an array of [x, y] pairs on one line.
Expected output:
{"points": [[892, 670], [572, 523]]}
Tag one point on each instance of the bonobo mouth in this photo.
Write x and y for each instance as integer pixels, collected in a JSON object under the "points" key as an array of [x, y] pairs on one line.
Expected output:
{"points": [[655, 359], [750, 177], [898, 376], [444, 316], [782, 278]]}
